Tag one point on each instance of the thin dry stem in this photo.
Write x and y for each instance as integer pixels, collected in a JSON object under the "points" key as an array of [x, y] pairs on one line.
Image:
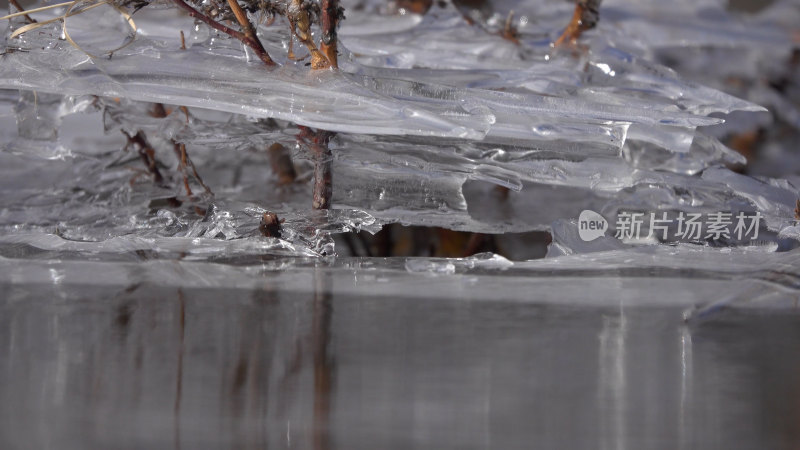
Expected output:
{"points": [[188, 162], [300, 22], [184, 162], [281, 162], [249, 31], [254, 44], [16, 4], [509, 32], [146, 152], [584, 18], [180, 152], [573, 30], [329, 21], [318, 141]]}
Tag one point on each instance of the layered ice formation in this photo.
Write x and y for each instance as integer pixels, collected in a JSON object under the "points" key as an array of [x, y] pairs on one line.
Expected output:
{"points": [[440, 120]]}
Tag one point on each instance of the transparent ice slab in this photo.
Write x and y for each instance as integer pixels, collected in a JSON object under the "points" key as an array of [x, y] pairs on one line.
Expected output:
{"points": [[314, 99], [120, 309], [407, 180], [424, 144], [630, 277]]}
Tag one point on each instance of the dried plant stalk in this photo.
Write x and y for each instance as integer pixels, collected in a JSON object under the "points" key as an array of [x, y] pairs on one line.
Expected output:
{"points": [[146, 152], [16, 4], [184, 162], [317, 142], [509, 31], [323, 180], [330, 13], [281, 162], [584, 18], [300, 20], [250, 40], [249, 31]]}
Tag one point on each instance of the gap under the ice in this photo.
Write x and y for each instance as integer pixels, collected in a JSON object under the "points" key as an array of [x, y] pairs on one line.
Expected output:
{"points": [[420, 241]]}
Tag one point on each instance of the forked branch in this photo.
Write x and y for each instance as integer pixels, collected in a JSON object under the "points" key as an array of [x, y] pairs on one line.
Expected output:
{"points": [[247, 37]]}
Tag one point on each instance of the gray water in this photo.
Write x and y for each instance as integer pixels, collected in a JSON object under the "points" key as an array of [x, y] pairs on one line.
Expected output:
{"points": [[153, 367]]}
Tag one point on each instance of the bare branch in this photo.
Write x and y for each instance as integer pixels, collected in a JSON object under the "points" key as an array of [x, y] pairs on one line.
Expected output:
{"points": [[318, 141], [16, 4], [254, 44], [330, 15], [147, 154], [300, 24], [249, 31], [584, 18]]}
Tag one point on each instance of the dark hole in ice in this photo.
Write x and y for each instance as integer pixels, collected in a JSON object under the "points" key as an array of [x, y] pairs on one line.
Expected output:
{"points": [[411, 241]]}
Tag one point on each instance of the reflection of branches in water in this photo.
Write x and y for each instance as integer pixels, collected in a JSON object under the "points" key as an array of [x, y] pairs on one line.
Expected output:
{"points": [[247, 347], [179, 376], [123, 349], [246, 382], [287, 384], [324, 365]]}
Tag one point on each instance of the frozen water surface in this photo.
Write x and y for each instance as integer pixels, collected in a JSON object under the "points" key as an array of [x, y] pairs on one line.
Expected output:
{"points": [[395, 354], [134, 314]]}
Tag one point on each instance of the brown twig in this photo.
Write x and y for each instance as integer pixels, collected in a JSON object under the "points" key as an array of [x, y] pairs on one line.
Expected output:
{"points": [[318, 141], [184, 162], [16, 4], [300, 24], [147, 154], [180, 152], [251, 41], [510, 32], [249, 31], [584, 18], [281, 161], [330, 15], [187, 162]]}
